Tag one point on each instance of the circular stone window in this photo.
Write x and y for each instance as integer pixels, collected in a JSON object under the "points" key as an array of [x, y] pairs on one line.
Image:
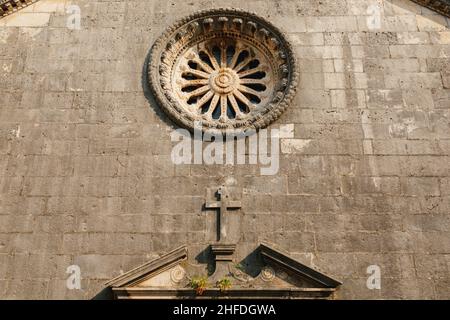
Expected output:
{"points": [[227, 68]]}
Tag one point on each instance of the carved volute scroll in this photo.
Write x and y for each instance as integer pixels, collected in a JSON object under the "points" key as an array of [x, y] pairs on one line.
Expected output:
{"points": [[227, 68]]}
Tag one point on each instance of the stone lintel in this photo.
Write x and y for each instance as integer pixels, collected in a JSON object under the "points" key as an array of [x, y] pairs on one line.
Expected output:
{"points": [[223, 252]]}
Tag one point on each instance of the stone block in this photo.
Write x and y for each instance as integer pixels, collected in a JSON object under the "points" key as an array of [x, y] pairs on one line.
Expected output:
{"points": [[423, 186]]}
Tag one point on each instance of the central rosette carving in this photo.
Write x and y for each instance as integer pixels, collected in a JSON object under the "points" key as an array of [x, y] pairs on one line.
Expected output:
{"points": [[224, 81], [224, 68]]}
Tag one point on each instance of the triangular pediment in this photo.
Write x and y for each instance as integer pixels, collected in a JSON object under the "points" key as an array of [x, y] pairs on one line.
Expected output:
{"points": [[281, 261], [271, 274], [150, 269]]}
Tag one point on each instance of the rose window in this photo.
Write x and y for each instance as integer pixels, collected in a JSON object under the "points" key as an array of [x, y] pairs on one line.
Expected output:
{"points": [[228, 69]]}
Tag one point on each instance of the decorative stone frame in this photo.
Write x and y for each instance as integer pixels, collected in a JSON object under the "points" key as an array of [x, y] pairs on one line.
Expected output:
{"points": [[133, 284], [229, 24], [9, 6]]}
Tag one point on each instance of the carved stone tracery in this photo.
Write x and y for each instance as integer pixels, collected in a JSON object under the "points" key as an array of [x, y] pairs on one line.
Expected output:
{"points": [[227, 68]]}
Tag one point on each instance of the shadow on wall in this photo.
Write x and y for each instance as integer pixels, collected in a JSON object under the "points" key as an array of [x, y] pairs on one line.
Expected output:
{"points": [[104, 294]]}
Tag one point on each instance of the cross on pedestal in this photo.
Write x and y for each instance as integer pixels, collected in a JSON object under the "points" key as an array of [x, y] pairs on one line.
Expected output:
{"points": [[223, 204]]}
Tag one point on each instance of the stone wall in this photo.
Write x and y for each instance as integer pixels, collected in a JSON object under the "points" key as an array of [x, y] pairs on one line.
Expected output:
{"points": [[86, 176]]}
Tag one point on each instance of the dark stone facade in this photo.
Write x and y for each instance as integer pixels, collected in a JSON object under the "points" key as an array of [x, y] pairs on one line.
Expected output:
{"points": [[86, 176]]}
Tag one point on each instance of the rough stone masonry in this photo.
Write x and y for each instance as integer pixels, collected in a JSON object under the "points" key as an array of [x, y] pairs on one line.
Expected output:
{"points": [[86, 177]]}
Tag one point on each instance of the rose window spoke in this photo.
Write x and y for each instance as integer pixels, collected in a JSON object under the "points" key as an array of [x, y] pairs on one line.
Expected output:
{"points": [[220, 71], [230, 69]]}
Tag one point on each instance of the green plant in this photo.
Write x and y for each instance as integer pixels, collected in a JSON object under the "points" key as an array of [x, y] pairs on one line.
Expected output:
{"points": [[224, 284], [199, 284], [240, 267]]}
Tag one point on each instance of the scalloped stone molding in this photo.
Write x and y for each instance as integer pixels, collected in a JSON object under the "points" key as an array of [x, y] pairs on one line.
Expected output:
{"points": [[228, 68], [10, 6]]}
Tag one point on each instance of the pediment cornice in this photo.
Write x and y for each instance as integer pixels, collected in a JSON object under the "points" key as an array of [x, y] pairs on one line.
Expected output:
{"points": [[279, 276]]}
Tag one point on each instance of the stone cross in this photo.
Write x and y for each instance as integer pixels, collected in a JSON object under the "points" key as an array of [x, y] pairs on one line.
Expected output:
{"points": [[223, 204]]}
